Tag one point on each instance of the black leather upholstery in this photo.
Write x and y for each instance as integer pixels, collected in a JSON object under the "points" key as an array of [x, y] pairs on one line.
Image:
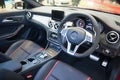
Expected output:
{"points": [[53, 70], [22, 49], [4, 58], [11, 65], [9, 75], [57, 70]]}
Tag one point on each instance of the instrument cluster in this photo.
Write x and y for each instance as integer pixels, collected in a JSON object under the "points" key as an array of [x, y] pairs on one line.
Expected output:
{"points": [[86, 23]]}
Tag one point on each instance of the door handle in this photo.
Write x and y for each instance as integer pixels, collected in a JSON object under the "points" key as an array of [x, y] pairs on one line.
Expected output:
{"points": [[6, 20], [13, 19]]}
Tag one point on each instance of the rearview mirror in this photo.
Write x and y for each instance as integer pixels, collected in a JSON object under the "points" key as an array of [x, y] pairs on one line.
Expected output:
{"points": [[19, 5]]}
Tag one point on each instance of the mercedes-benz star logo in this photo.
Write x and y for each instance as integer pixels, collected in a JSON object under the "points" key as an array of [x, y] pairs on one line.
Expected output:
{"points": [[74, 35]]}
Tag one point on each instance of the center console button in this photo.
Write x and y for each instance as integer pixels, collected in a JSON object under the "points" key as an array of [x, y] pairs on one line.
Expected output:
{"points": [[35, 61], [43, 56], [107, 51]]}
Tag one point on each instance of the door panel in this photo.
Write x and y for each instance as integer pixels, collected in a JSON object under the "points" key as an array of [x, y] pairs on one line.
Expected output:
{"points": [[10, 31], [10, 25]]}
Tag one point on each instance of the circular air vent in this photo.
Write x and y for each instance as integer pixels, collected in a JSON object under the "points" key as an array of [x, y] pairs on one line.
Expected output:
{"points": [[28, 15], [112, 37], [56, 26], [50, 24]]}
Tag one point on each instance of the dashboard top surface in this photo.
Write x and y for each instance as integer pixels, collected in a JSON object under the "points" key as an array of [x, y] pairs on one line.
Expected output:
{"points": [[111, 20]]}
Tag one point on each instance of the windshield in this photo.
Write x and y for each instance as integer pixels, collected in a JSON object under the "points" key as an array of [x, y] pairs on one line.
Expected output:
{"points": [[111, 6]]}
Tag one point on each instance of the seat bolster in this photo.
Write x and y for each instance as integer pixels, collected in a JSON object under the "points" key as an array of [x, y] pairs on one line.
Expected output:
{"points": [[13, 47], [42, 73], [9, 75], [4, 58], [23, 49], [57, 70]]}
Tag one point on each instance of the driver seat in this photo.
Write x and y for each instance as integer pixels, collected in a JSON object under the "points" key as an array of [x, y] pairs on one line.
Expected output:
{"points": [[57, 70], [52, 70]]}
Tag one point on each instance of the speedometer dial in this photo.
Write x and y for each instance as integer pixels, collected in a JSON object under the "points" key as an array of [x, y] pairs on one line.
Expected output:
{"points": [[80, 23]]}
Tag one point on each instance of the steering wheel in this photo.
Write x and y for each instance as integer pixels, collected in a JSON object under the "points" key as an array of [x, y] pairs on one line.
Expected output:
{"points": [[77, 36]]}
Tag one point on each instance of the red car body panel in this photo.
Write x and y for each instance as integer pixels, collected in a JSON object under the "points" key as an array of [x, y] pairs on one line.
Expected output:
{"points": [[105, 6]]}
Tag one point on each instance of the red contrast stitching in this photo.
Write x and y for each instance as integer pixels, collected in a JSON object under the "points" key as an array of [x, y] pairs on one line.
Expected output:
{"points": [[51, 70], [88, 78], [118, 78], [16, 50], [41, 49]]}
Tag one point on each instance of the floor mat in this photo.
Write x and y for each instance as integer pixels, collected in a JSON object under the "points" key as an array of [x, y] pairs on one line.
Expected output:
{"points": [[91, 68]]}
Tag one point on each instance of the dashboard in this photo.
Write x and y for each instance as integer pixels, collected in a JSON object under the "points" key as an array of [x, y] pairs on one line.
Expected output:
{"points": [[109, 26]]}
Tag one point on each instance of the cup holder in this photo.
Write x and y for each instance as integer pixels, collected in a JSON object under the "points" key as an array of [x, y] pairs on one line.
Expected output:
{"points": [[31, 59], [23, 62]]}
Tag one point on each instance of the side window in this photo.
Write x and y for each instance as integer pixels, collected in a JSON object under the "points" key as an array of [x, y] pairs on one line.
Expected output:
{"points": [[10, 5]]}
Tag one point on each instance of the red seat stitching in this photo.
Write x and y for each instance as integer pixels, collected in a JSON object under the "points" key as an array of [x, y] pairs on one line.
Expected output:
{"points": [[118, 78], [16, 49], [51, 70], [89, 78]]}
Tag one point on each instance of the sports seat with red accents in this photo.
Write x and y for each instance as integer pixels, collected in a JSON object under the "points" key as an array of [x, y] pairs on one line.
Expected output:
{"points": [[57, 70], [52, 70], [22, 49]]}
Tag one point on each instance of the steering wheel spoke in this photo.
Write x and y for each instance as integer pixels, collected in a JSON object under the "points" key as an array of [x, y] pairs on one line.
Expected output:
{"points": [[88, 37], [64, 32], [69, 48]]}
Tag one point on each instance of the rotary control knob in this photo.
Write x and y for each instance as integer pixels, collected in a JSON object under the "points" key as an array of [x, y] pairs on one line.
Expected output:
{"points": [[107, 51]]}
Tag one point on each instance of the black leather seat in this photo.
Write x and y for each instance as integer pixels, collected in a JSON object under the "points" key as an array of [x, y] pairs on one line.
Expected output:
{"points": [[57, 70], [22, 49], [52, 70]]}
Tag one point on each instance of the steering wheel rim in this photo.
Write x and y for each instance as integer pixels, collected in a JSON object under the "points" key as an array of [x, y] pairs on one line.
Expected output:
{"points": [[96, 28]]}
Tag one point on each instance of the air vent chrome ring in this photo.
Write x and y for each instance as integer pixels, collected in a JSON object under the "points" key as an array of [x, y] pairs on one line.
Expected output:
{"points": [[56, 26], [112, 37], [50, 24], [28, 15]]}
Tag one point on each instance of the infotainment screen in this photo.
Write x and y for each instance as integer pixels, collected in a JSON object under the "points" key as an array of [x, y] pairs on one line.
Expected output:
{"points": [[57, 15]]}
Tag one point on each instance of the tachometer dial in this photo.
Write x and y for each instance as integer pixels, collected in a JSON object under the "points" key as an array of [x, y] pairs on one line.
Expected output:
{"points": [[80, 23]]}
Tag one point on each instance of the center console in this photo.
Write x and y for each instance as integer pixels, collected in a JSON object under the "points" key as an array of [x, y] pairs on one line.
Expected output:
{"points": [[40, 57]]}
